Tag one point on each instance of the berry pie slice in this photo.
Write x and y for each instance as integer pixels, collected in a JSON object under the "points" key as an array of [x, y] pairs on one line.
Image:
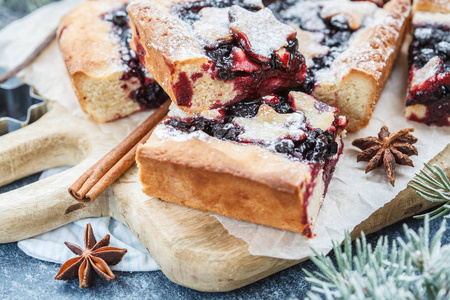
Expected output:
{"points": [[267, 161], [211, 53], [428, 99], [349, 47], [108, 79]]}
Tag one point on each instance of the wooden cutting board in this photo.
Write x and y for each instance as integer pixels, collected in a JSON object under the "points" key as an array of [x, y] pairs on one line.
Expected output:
{"points": [[192, 248]]}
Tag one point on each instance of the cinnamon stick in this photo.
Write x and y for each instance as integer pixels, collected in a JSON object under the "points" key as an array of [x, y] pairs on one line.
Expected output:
{"points": [[35, 54], [103, 173]]}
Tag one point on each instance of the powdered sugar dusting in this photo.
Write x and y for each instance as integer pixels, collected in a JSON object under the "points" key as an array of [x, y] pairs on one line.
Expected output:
{"points": [[369, 47], [309, 44], [307, 13], [182, 46], [164, 132], [211, 114], [318, 114], [428, 71], [263, 32], [213, 25], [429, 17], [115, 62], [270, 127], [364, 48], [354, 12], [254, 3]]}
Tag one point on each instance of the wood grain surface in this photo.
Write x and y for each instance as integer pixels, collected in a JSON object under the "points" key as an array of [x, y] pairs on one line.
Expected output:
{"points": [[192, 248]]}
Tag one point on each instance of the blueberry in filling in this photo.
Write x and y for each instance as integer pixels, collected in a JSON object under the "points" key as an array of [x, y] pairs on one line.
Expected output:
{"points": [[224, 61], [315, 146], [431, 41], [149, 94], [336, 31]]}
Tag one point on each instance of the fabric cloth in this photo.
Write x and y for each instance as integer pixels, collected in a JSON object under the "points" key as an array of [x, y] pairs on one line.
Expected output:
{"points": [[50, 246]]}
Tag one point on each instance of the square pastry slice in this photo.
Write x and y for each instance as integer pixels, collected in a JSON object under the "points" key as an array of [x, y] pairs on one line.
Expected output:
{"points": [[268, 161], [349, 47], [206, 55], [428, 99], [108, 79]]}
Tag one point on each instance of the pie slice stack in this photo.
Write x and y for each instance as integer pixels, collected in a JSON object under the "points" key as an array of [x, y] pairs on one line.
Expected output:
{"points": [[236, 141]]}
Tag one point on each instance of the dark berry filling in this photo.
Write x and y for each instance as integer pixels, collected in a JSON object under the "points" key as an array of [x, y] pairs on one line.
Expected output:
{"points": [[255, 78], [437, 113], [316, 146], [431, 40], [188, 11], [149, 94], [252, 78], [336, 32], [225, 59], [183, 90]]}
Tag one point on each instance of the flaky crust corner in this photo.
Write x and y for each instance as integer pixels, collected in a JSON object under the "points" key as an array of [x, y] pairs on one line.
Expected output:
{"points": [[366, 65]]}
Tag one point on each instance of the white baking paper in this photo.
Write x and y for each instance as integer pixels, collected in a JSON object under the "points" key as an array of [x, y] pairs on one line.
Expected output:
{"points": [[352, 196]]}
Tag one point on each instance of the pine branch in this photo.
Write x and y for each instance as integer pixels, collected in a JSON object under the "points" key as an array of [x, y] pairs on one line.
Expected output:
{"points": [[413, 268], [433, 189]]}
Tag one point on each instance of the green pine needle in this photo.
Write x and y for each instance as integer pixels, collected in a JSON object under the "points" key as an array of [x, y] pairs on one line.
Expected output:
{"points": [[433, 189], [411, 268]]}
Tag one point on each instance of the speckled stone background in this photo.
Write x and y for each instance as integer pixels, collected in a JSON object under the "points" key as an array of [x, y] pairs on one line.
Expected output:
{"points": [[23, 277]]}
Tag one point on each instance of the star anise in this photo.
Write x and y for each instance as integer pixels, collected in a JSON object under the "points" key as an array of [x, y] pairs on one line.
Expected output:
{"points": [[96, 257], [387, 149]]}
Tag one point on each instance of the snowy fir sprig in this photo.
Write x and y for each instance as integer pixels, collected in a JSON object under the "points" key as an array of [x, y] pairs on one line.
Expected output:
{"points": [[409, 268], [435, 189]]}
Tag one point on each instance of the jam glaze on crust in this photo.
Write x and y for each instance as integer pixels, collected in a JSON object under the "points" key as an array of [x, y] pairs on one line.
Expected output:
{"points": [[149, 94], [428, 99], [216, 56], [244, 172]]}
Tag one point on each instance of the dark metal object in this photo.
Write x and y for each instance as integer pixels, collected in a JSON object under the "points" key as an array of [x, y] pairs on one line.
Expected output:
{"points": [[19, 105]]}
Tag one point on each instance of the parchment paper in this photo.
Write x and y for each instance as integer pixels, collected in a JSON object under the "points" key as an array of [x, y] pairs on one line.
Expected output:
{"points": [[352, 195]]}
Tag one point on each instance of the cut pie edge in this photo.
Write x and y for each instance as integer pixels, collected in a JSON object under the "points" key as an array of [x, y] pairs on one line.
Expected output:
{"points": [[242, 181]]}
